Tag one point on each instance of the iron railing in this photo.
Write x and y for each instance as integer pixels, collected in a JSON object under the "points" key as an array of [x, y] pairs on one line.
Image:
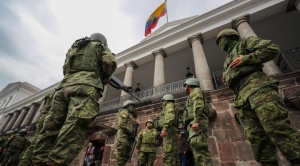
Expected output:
{"points": [[289, 61], [152, 95], [217, 75]]}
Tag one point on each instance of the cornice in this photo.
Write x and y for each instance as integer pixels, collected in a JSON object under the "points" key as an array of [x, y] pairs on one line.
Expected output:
{"points": [[29, 100], [209, 24]]}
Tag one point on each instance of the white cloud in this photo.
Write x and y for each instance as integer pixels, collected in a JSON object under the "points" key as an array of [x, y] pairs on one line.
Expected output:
{"points": [[38, 35]]}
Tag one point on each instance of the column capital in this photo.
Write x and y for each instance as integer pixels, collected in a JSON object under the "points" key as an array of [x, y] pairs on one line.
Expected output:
{"points": [[131, 64], [198, 36], [237, 21], [161, 51]]}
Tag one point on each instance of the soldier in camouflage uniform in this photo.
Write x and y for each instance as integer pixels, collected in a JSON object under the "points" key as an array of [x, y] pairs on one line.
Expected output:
{"points": [[195, 118], [125, 134], [26, 159], [262, 112], [14, 146], [146, 144], [168, 122], [88, 67]]}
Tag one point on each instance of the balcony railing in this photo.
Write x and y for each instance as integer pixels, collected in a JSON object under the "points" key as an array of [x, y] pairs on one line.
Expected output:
{"points": [[288, 61], [146, 97]]}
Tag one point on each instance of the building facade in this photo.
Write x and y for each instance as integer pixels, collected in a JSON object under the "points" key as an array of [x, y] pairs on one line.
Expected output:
{"points": [[159, 63]]}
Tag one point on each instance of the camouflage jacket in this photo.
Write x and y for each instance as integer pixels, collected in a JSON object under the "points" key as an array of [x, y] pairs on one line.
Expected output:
{"points": [[125, 125], [17, 143], [248, 78], [147, 140], [168, 119], [196, 109], [90, 64]]}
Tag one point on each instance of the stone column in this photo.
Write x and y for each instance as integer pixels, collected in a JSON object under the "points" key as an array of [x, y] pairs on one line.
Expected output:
{"points": [[7, 119], [38, 113], [130, 67], [103, 94], [21, 117], [245, 30], [159, 69], [201, 66], [29, 115], [12, 120]]}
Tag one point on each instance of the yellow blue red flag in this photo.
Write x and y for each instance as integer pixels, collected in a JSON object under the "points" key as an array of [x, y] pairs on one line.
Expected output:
{"points": [[154, 17]]}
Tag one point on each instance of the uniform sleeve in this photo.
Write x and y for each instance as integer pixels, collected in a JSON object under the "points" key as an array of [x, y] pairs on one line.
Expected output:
{"points": [[261, 51], [169, 117], [109, 63], [122, 122], [198, 107], [139, 140]]}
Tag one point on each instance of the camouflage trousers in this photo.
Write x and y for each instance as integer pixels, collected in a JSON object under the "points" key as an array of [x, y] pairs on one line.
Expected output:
{"points": [[62, 137], [123, 150], [147, 158], [11, 158], [26, 159], [267, 126], [198, 143], [170, 156]]}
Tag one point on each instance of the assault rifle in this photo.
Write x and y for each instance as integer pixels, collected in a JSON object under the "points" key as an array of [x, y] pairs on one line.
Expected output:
{"points": [[118, 84], [133, 142]]}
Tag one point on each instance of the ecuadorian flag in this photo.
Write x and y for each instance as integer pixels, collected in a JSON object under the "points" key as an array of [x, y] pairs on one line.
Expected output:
{"points": [[154, 17]]}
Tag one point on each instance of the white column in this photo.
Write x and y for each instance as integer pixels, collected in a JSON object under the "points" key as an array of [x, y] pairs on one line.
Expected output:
{"points": [[21, 117], [245, 30], [38, 113], [29, 115], [7, 119], [201, 66], [159, 69], [130, 67], [12, 120]]}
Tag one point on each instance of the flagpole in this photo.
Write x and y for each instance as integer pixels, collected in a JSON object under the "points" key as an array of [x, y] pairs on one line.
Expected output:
{"points": [[167, 11]]}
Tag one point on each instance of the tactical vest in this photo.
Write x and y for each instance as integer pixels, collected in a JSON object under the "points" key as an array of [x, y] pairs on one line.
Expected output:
{"points": [[129, 121], [84, 55], [149, 137], [234, 77], [18, 142], [176, 119], [189, 113]]}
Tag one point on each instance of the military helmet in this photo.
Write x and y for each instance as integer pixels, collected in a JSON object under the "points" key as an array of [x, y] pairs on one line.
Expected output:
{"points": [[127, 102], [10, 132], [227, 32], [191, 81], [23, 131], [168, 97], [99, 37], [150, 120]]}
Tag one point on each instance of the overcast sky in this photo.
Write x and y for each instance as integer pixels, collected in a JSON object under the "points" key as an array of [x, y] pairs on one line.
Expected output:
{"points": [[35, 35]]}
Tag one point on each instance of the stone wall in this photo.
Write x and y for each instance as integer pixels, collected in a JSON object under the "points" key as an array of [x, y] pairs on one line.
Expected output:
{"points": [[227, 142]]}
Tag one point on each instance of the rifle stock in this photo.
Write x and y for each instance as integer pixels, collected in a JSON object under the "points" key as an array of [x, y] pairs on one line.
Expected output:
{"points": [[118, 84]]}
